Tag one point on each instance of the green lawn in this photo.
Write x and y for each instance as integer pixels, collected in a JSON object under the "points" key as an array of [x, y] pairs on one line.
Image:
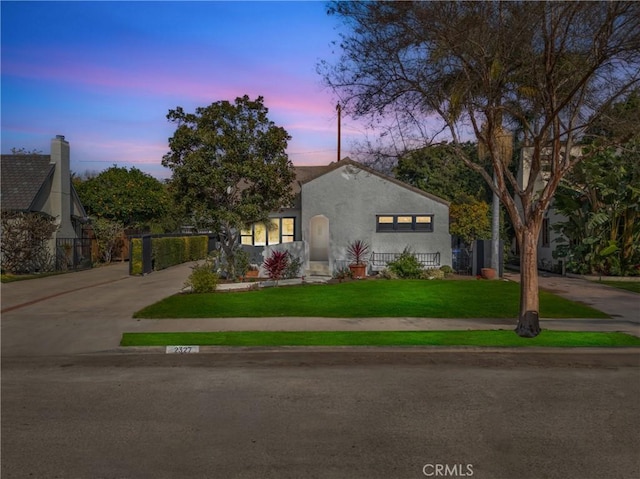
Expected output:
{"points": [[633, 286], [11, 278], [492, 338], [362, 299]]}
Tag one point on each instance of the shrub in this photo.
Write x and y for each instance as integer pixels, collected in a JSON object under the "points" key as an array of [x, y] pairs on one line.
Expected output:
{"points": [[276, 264], [169, 251], [343, 273], [203, 279], [406, 266], [388, 274], [108, 236], [433, 273], [446, 269], [293, 268], [135, 267], [25, 238], [241, 260]]}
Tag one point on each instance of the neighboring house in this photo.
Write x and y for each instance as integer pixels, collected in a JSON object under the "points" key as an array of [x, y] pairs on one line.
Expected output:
{"points": [[548, 239], [42, 184], [346, 201]]}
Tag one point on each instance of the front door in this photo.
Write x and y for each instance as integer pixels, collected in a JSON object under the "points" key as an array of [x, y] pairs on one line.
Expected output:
{"points": [[319, 238]]}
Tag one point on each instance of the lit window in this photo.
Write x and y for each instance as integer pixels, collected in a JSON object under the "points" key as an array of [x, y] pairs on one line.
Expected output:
{"points": [[404, 223], [288, 230], [274, 231], [385, 223], [279, 230], [423, 223], [246, 236], [259, 234]]}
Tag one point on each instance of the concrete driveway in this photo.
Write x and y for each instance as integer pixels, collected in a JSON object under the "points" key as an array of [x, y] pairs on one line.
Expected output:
{"points": [[88, 311]]}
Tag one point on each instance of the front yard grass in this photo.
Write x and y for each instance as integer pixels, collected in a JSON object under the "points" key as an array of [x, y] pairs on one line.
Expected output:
{"points": [[633, 286], [490, 338], [369, 298], [11, 278]]}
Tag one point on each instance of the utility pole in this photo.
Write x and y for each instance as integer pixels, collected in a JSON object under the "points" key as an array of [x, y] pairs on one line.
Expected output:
{"points": [[339, 110]]}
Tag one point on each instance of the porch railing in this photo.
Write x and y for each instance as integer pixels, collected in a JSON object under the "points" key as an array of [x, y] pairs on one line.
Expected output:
{"points": [[427, 260]]}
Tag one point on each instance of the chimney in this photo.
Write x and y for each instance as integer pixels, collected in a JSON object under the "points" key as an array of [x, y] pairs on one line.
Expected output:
{"points": [[61, 187]]}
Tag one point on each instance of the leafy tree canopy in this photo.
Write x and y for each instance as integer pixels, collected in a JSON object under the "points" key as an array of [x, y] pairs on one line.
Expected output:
{"points": [[601, 198], [130, 197], [470, 221], [546, 69], [436, 170], [229, 165]]}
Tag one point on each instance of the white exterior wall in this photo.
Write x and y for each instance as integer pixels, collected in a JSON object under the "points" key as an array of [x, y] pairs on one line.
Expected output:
{"points": [[546, 260], [351, 198]]}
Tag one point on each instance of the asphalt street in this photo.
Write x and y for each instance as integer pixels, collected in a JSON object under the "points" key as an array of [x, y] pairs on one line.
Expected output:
{"points": [[322, 415], [76, 405]]}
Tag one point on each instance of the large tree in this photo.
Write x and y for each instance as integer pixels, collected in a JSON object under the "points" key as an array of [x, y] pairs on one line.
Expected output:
{"points": [[601, 198], [547, 69], [230, 167], [128, 196], [436, 170]]}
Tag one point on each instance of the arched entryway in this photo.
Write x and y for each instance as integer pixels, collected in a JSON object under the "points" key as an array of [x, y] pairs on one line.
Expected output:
{"points": [[319, 238]]}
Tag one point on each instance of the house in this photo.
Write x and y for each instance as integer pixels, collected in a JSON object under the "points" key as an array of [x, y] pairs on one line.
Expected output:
{"points": [[347, 201], [34, 183], [549, 238]]}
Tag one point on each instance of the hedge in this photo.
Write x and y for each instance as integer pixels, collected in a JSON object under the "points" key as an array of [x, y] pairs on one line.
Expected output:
{"points": [[169, 251]]}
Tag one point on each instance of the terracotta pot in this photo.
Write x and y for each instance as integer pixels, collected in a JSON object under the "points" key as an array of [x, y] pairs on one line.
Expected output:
{"points": [[488, 273], [358, 270]]}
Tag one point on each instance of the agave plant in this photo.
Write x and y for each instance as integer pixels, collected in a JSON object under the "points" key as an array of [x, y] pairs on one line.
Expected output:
{"points": [[358, 251]]}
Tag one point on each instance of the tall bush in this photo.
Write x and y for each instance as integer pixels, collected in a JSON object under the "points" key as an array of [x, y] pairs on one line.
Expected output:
{"points": [[169, 251], [406, 266], [203, 278], [25, 238], [108, 236]]}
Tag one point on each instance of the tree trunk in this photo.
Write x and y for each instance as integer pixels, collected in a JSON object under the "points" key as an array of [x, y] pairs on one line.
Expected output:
{"points": [[528, 321], [495, 231]]}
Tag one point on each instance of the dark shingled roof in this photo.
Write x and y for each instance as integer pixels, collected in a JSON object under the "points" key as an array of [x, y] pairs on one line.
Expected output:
{"points": [[22, 178]]}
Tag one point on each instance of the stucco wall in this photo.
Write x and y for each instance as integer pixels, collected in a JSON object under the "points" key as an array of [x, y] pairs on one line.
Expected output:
{"points": [[351, 198], [546, 261]]}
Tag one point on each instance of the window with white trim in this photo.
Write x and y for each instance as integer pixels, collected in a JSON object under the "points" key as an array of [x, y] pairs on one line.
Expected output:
{"points": [[404, 223]]}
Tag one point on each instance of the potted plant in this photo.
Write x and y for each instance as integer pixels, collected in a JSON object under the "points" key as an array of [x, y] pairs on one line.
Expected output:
{"points": [[252, 272], [357, 252], [488, 273]]}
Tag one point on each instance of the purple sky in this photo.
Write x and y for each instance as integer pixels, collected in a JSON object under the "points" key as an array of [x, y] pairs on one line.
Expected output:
{"points": [[105, 74]]}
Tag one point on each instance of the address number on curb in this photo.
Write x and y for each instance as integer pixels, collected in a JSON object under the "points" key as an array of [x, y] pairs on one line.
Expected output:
{"points": [[183, 349]]}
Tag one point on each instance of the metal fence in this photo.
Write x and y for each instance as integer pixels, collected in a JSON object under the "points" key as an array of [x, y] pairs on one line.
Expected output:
{"points": [[427, 260], [73, 254], [462, 261]]}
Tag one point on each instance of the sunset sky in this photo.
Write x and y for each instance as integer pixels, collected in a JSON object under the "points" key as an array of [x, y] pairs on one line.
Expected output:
{"points": [[105, 74]]}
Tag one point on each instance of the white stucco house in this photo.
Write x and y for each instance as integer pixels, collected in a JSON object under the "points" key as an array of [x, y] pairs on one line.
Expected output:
{"points": [[548, 239], [347, 201]]}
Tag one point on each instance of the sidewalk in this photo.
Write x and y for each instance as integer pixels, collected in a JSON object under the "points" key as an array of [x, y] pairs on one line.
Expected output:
{"points": [[88, 311], [619, 304]]}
